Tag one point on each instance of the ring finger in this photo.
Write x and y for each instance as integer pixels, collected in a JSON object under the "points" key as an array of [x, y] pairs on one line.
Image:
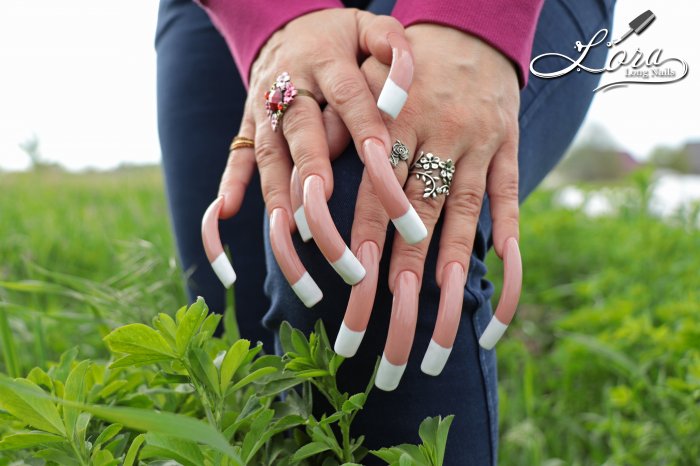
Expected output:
{"points": [[275, 167], [427, 193]]}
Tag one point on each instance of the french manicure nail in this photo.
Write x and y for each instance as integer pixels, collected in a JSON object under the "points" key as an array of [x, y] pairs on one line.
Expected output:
{"points": [[402, 328], [360, 304], [395, 91], [297, 197], [449, 312], [281, 241], [326, 235], [212, 243], [392, 196], [508, 302]]}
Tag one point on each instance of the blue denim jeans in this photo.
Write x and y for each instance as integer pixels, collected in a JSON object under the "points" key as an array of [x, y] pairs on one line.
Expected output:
{"points": [[200, 102]]}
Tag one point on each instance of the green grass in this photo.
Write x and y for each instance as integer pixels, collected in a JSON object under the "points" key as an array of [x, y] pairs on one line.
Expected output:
{"points": [[601, 366]]}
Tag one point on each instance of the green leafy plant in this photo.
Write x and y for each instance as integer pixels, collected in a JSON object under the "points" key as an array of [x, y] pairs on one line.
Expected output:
{"points": [[173, 391]]}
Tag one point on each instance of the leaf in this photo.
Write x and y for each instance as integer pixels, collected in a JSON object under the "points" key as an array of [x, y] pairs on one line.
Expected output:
{"points": [[310, 449], [29, 403], [300, 343], [111, 388], [138, 339], [108, 434], [257, 428], [354, 403], [188, 325], [25, 441], [180, 314], [441, 438], [184, 451], [166, 326], [137, 360], [176, 425], [61, 371], [204, 369], [134, 450], [232, 361], [252, 377], [208, 327], [9, 346], [74, 390], [285, 335]]}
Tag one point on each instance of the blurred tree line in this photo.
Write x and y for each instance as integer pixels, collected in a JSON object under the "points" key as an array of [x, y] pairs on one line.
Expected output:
{"points": [[598, 157]]}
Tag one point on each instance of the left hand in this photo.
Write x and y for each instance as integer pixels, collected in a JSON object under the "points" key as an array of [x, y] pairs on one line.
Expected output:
{"points": [[463, 105]]}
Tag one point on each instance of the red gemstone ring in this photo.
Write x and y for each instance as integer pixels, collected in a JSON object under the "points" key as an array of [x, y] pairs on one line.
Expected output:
{"points": [[280, 97]]}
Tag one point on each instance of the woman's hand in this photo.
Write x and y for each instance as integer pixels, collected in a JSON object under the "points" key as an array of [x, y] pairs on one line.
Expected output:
{"points": [[463, 106], [320, 51]]}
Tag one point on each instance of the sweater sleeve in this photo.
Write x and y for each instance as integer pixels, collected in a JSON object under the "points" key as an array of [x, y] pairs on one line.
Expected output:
{"points": [[247, 24], [508, 25]]}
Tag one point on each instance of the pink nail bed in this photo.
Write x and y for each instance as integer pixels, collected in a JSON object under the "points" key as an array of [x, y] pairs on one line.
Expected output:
{"points": [[395, 91], [281, 241], [326, 234], [402, 328], [297, 197], [508, 302], [359, 308], [449, 313], [212, 243], [391, 194]]}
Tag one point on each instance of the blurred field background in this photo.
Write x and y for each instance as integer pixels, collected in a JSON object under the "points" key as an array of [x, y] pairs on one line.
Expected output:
{"points": [[602, 364]]}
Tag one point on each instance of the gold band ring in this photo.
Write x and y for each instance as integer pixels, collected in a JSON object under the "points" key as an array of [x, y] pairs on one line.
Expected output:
{"points": [[240, 142]]}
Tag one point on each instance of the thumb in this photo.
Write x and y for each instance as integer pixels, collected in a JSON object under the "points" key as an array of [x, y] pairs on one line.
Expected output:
{"points": [[385, 38]]}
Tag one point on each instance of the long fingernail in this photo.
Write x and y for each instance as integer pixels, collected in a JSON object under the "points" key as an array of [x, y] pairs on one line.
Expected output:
{"points": [[212, 243], [297, 197], [326, 235], [281, 241], [395, 90], [359, 309], [404, 312], [391, 194], [508, 302], [449, 312]]}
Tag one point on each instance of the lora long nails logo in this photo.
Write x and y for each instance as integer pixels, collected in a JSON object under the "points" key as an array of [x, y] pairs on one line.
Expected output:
{"points": [[638, 67]]}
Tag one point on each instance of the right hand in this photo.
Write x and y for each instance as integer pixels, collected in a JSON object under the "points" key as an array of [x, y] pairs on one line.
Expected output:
{"points": [[321, 52]]}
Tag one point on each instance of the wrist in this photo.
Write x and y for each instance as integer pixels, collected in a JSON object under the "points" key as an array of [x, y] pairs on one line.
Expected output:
{"points": [[471, 52]]}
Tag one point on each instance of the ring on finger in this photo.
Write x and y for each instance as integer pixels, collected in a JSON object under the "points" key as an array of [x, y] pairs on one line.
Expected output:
{"points": [[435, 173], [240, 142], [280, 97], [399, 153]]}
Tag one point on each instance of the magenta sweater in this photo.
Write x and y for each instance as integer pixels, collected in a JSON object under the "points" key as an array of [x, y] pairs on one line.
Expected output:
{"points": [[508, 25]]}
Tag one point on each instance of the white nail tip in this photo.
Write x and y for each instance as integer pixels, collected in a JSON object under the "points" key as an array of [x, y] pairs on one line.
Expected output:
{"points": [[349, 268], [494, 331], [224, 270], [302, 224], [435, 358], [410, 226], [392, 98], [388, 375], [347, 341], [307, 290]]}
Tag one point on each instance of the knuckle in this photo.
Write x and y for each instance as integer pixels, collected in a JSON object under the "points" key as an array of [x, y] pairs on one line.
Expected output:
{"points": [[296, 119], [412, 258], [467, 201], [265, 152], [506, 190], [373, 224], [459, 247], [273, 193], [345, 90]]}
